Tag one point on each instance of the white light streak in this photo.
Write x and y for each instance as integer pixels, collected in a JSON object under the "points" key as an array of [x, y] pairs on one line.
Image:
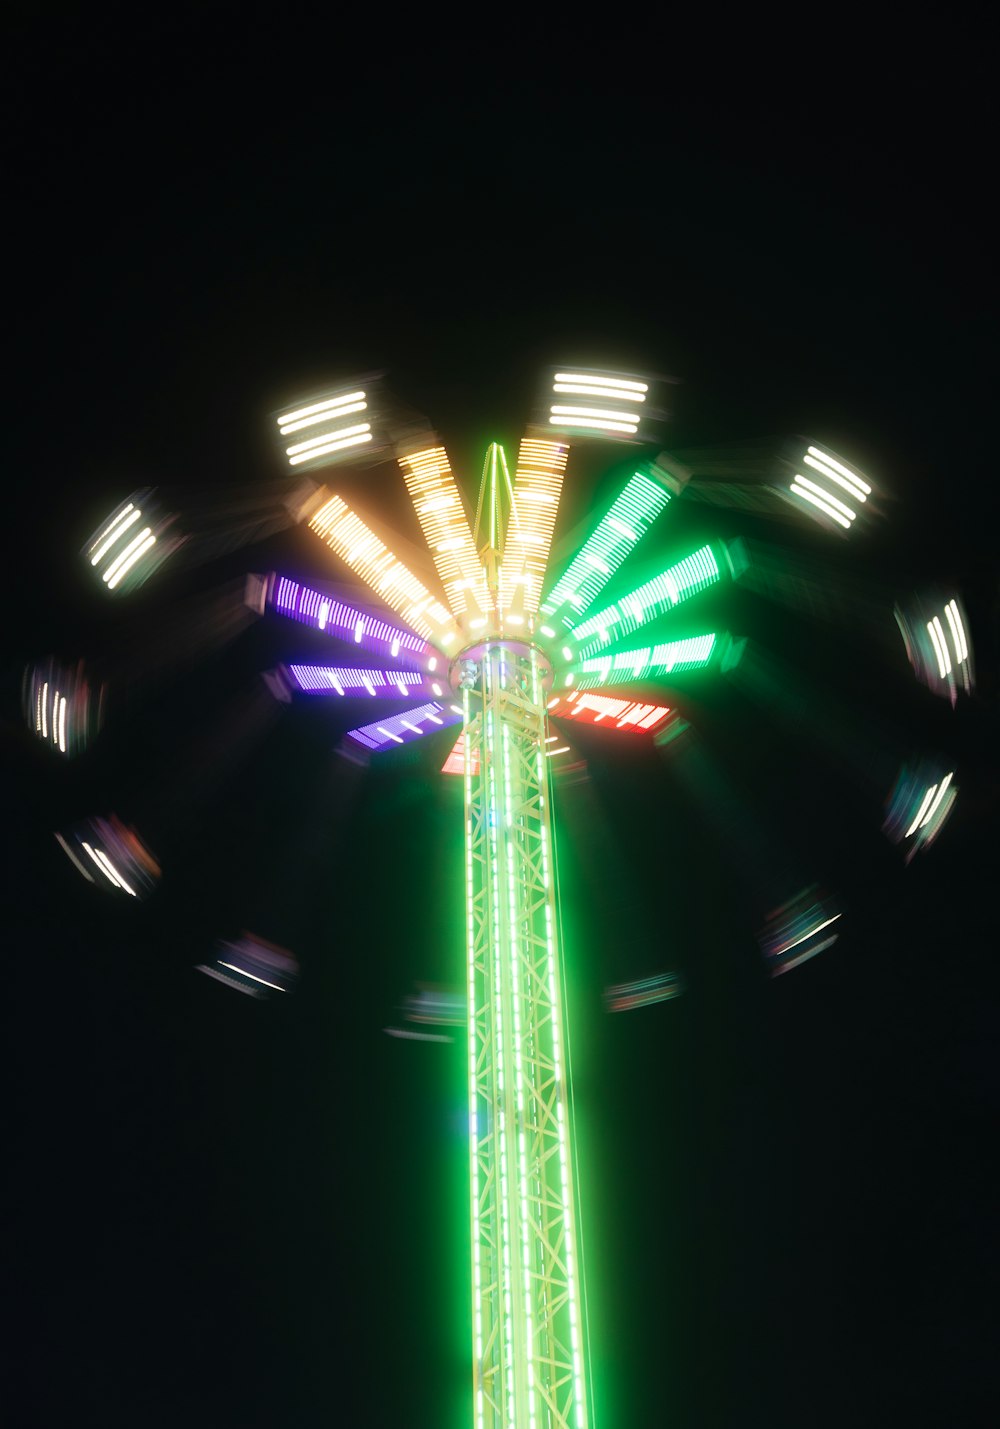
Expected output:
{"points": [[116, 534], [332, 447], [921, 811], [604, 426], [957, 631], [288, 427], [112, 871], [834, 501], [810, 933], [623, 385], [827, 510], [346, 436], [602, 412], [936, 632], [940, 795], [108, 874], [118, 566], [830, 467], [109, 528], [329, 406], [72, 856], [136, 555], [243, 973]]}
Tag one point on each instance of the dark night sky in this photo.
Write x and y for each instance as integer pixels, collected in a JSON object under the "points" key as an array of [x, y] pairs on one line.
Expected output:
{"points": [[220, 1212]]}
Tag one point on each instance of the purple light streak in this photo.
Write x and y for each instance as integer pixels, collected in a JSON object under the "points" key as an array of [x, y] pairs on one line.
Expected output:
{"points": [[347, 680], [345, 622], [402, 728]]}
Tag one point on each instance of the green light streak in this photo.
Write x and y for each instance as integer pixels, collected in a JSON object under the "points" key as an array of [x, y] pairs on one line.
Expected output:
{"points": [[631, 514], [671, 587], [527, 1323], [650, 661]]}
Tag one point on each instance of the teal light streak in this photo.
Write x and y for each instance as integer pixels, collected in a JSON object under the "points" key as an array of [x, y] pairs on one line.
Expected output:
{"points": [[672, 586], [631, 514], [650, 661]]}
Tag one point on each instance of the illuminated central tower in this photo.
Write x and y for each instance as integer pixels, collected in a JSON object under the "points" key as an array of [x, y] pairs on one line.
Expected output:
{"points": [[527, 1322]]}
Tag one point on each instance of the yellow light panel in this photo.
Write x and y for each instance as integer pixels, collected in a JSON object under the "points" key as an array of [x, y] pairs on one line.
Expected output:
{"points": [[537, 488], [345, 533], [438, 504]]}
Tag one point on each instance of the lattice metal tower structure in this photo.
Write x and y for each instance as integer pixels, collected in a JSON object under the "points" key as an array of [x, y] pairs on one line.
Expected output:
{"points": [[527, 1320]]}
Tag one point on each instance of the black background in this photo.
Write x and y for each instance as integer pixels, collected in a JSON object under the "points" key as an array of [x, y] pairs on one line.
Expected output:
{"points": [[221, 1212]]}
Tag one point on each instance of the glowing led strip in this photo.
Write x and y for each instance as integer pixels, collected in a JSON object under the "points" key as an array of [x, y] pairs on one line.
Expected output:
{"points": [[799, 490], [117, 528], [399, 729], [652, 660], [821, 497], [958, 640], [330, 413], [626, 388], [346, 534], [929, 805], [576, 415], [514, 963], [322, 412], [312, 607], [105, 865], [146, 540], [438, 504], [537, 487], [631, 514], [834, 501], [118, 564], [324, 678], [499, 1033], [130, 553], [337, 441], [836, 471], [561, 1079], [677, 583], [473, 1015], [603, 424], [595, 708], [936, 633]]}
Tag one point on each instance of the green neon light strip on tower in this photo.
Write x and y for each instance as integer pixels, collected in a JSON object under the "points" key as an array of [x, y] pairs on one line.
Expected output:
{"points": [[677, 583], [651, 661], [527, 1315], [631, 514]]}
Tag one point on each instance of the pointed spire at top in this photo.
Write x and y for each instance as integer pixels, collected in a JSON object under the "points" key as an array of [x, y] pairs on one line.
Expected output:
{"points": [[493, 513]]}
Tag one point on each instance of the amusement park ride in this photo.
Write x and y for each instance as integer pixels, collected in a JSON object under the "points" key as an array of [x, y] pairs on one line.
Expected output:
{"points": [[510, 655]]}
